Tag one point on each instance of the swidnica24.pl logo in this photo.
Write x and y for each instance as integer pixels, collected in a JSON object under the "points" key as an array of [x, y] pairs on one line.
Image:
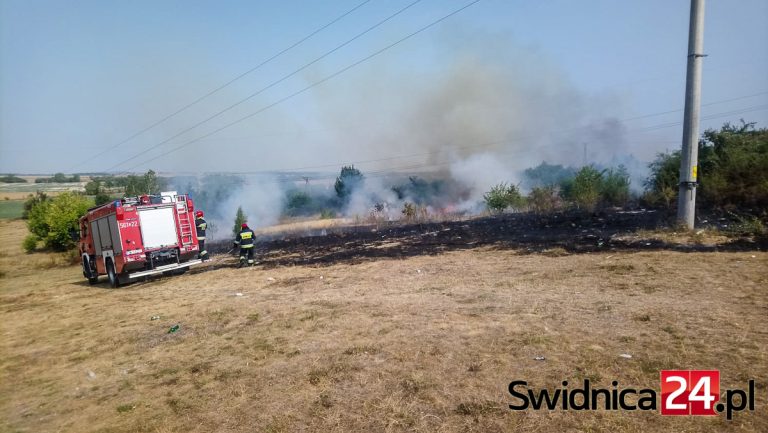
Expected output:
{"points": [[683, 392]]}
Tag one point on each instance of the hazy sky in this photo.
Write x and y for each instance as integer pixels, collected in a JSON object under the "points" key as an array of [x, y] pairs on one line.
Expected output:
{"points": [[79, 77]]}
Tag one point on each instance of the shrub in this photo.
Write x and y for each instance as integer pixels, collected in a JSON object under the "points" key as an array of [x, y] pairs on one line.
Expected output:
{"points": [[102, 198], [29, 244], [32, 201], [298, 203], [585, 190], [54, 220], [326, 214], [503, 196], [544, 199], [93, 187], [348, 180], [614, 189], [732, 172]]}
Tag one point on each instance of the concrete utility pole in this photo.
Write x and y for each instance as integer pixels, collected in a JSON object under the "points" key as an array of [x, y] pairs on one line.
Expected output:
{"points": [[686, 202]]}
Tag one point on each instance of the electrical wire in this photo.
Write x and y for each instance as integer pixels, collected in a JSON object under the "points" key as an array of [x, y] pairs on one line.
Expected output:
{"points": [[221, 87]]}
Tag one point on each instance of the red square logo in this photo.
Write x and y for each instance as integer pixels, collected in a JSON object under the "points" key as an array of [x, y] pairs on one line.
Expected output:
{"points": [[689, 392]]}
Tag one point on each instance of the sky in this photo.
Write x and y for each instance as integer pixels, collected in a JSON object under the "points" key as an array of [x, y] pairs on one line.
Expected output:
{"points": [[522, 81]]}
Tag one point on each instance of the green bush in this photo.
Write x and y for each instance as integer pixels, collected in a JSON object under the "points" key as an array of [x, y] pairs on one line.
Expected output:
{"points": [[10, 178], [503, 196], [102, 198], [32, 201], [298, 203], [614, 188], [348, 180], [29, 243], [53, 221], [732, 170], [586, 187]]}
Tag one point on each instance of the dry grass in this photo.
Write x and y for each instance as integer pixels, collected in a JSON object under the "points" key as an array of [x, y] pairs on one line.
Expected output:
{"points": [[424, 344]]}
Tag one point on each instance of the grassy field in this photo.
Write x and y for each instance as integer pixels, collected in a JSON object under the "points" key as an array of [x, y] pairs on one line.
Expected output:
{"points": [[11, 209], [427, 343]]}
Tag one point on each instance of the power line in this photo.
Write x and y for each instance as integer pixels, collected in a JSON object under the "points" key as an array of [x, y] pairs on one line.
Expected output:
{"points": [[329, 77], [273, 84], [384, 172], [221, 87]]}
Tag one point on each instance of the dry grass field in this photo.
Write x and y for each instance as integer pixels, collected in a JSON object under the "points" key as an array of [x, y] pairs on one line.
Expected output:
{"points": [[425, 343]]}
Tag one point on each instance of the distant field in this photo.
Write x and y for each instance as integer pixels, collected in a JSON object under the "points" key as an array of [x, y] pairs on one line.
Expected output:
{"points": [[11, 209]]}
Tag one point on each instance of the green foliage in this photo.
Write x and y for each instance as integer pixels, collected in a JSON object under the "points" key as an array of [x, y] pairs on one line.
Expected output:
{"points": [[52, 221], [732, 172], [29, 244], [733, 167], [58, 178], [547, 174], [32, 201], [585, 189], [10, 178], [421, 191], [348, 180], [503, 196], [149, 183], [544, 199], [326, 214], [93, 187], [614, 188], [662, 184], [102, 198], [11, 209], [298, 203], [240, 218]]}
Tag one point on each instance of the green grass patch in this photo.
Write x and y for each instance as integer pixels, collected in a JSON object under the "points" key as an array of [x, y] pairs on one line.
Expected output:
{"points": [[10, 209]]}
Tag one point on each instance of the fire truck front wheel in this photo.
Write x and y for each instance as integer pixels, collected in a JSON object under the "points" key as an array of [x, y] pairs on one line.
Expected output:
{"points": [[114, 281]]}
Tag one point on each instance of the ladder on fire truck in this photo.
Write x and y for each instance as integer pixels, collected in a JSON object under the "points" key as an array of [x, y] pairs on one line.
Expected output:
{"points": [[185, 224]]}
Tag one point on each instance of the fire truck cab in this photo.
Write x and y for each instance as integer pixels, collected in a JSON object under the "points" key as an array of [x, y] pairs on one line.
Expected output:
{"points": [[135, 237]]}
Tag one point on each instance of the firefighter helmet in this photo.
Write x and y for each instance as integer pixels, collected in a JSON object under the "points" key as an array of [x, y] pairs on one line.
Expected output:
{"points": [[199, 214], [244, 226]]}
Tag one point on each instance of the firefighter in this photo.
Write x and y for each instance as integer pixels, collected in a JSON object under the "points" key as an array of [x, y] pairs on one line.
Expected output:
{"points": [[201, 225], [245, 241]]}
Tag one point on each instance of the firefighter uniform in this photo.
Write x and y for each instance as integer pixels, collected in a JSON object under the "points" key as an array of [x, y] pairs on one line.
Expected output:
{"points": [[245, 240], [201, 226]]}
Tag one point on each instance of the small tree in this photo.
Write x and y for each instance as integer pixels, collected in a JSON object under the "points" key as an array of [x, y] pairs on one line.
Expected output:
{"points": [[585, 191], [348, 180], [53, 221], [615, 186], [240, 218], [93, 187], [102, 198], [32, 201], [503, 196], [297, 203]]}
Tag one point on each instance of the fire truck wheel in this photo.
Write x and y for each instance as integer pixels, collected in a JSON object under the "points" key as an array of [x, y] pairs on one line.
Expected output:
{"points": [[88, 273], [113, 280]]}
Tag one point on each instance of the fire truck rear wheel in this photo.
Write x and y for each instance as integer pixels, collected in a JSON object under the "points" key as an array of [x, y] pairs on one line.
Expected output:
{"points": [[88, 272], [113, 279]]}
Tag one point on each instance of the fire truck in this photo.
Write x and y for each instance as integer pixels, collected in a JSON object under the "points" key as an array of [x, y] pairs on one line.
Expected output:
{"points": [[135, 237]]}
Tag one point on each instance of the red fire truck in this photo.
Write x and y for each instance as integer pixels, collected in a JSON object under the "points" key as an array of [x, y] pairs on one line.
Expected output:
{"points": [[138, 236]]}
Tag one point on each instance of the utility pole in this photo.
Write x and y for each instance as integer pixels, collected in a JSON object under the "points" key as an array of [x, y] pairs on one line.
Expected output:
{"points": [[686, 202]]}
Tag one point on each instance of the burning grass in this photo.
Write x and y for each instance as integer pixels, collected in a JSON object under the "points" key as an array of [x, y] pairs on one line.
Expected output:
{"points": [[424, 343]]}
